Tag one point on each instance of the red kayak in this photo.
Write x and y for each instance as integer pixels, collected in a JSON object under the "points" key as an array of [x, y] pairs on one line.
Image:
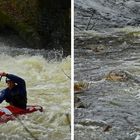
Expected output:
{"points": [[10, 112]]}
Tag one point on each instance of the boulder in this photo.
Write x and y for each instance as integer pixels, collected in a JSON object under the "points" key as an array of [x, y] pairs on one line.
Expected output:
{"points": [[40, 23]]}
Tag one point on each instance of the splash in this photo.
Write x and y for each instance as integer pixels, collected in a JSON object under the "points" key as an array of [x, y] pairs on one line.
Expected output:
{"points": [[47, 85]]}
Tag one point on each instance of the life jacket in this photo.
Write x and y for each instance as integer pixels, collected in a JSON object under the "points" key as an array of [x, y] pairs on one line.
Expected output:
{"points": [[16, 98]]}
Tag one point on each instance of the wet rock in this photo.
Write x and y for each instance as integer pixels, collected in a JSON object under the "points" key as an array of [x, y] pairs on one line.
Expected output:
{"points": [[80, 86], [107, 128], [137, 128], [41, 24], [76, 99], [78, 103], [122, 76], [98, 15], [118, 75]]}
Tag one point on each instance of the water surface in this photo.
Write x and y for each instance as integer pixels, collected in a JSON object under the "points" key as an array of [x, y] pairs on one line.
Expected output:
{"points": [[47, 86]]}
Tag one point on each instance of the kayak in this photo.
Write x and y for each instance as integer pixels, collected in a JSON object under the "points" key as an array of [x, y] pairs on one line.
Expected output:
{"points": [[11, 112]]}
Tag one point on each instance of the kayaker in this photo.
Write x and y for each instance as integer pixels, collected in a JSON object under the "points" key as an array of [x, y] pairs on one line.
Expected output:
{"points": [[15, 93]]}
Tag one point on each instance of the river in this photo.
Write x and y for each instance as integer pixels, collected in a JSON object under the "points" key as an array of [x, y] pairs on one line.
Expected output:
{"points": [[46, 75], [107, 69], [109, 62]]}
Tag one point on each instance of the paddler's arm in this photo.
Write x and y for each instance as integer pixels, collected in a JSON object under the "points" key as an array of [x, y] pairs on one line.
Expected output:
{"points": [[14, 78]]}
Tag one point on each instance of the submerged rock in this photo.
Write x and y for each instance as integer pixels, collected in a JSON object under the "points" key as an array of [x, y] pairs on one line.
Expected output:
{"points": [[118, 75], [78, 103], [122, 76]]}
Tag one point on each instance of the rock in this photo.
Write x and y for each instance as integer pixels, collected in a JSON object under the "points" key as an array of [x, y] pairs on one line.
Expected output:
{"points": [[99, 15], [78, 103], [81, 86], [107, 128], [118, 75], [76, 99], [41, 24], [122, 76]]}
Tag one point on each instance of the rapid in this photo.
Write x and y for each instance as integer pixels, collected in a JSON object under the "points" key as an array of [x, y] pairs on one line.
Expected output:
{"points": [[47, 80], [107, 63], [110, 63]]}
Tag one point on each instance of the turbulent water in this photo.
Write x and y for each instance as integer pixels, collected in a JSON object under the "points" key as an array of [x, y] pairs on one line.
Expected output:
{"points": [[46, 75], [108, 58], [110, 62]]}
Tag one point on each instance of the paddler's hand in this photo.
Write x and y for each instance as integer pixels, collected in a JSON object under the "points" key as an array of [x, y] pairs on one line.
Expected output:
{"points": [[3, 74]]}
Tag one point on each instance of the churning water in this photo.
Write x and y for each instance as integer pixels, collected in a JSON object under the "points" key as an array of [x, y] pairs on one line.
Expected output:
{"points": [[110, 62], [46, 75]]}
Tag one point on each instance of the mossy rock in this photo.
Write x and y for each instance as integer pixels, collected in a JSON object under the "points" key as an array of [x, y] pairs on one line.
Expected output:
{"points": [[4, 20], [41, 24], [26, 32]]}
